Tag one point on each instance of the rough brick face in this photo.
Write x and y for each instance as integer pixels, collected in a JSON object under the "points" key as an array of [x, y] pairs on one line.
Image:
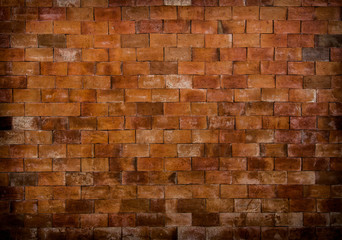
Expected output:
{"points": [[170, 119]]}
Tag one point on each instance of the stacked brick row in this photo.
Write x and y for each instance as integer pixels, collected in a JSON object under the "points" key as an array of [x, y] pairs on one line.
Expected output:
{"points": [[174, 119]]}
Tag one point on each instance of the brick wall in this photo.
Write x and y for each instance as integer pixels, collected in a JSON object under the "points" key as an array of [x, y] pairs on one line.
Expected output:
{"points": [[174, 119]]}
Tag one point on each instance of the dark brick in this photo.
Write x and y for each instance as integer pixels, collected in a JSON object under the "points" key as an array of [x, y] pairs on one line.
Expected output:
{"points": [[274, 232], [38, 220], [157, 205], [79, 233], [122, 220], [150, 108], [5, 123], [328, 41], [217, 150], [318, 82], [79, 206], [150, 219], [12, 221], [219, 233], [247, 233], [134, 205], [134, 177], [330, 178], [205, 219], [23, 179], [52, 40], [11, 193], [315, 54], [190, 233], [301, 233], [5, 95], [163, 233], [13, 82], [191, 205], [51, 233], [66, 220], [290, 191], [107, 233]]}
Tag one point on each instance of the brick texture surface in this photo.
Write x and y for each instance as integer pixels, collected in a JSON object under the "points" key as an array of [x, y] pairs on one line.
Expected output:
{"points": [[170, 119]]}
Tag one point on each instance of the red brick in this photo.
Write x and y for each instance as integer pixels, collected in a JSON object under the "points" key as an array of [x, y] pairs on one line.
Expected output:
{"points": [[176, 26], [149, 26], [103, 14], [121, 27], [300, 40], [314, 27]]}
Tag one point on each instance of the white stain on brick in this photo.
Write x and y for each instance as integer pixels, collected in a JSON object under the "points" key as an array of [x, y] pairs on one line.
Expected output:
{"points": [[178, 81], [178, 2], [68, 3]]}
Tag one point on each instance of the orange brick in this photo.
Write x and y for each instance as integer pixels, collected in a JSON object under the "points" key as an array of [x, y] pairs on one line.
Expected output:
{"points": [[136, 68], [79, 41], [121, 27], [301, 68], [67, 27], [189, 40], [273, 40], [103, 14], [191, 68], [255, 26], [108, 68], [248, 67], [248, 122], [126, 136], [328, 68], [163, 40], [94, 28], [233, 54], [246, 40], [288, 54], [218, 13], [150, 54], [273, 67], [286, 27], [138, 95], [191, 13], [246, 13], [218, 68], [25, 68], [176, 26], [39, 27], [107, 41], [273, 13], [261, 81], [245, 150], [95, 55], [122, 54], [203, 27], [315, 27], [163, 12], [234, 26]]}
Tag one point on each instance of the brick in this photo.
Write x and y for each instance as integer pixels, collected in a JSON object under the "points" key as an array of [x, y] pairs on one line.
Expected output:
{"points": [[273, 13], [314, 27], [176, 26], [246, 40], [103, 14], [24, 40], [286, 27], [94, 28], [135, 13], [39, 27], [55, 13], [231, 26], [163, 40], [121, 27], [302, 40], [274, 40], [79, 41], [289, 54]]}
